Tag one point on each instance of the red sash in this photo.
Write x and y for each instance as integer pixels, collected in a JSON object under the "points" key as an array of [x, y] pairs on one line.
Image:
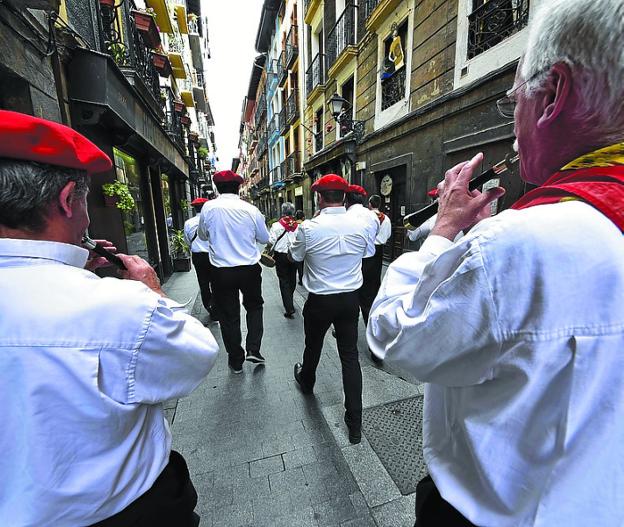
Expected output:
{"points": [[601, 187]]}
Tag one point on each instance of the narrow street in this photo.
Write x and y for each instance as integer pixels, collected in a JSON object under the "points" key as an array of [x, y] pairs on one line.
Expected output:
{"points": [[263, 454]]}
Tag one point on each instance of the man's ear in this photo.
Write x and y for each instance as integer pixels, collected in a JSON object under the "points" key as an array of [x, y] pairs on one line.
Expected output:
{"points": [[556, 93], [66, 198]]}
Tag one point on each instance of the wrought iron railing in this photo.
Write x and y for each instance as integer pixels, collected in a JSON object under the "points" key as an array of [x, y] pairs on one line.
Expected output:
{"points": [[261, 110], [262, 144], [171, 120], [282, 72], [365, 10], [175, 44], [292, 107], [393, 89], [276, 174], [492, 21], [126, 45], [292, 46], [315, 75], [274, 126], [341, 35], [283, 123], [193, 26], [293, 165]]}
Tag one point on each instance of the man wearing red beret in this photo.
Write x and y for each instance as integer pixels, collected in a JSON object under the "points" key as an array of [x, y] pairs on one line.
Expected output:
{"points": [[332, 246], [234, 228], [200, 257], [86, 361]]}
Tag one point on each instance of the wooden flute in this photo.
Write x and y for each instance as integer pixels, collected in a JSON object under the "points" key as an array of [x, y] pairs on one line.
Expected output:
{"points": [[415, 219]]}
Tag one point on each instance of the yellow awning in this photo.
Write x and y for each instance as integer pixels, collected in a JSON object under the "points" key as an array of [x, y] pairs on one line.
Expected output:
{"points": [[180, 12], [179, 73], [176, 60], [163, 18], [187, 97]]}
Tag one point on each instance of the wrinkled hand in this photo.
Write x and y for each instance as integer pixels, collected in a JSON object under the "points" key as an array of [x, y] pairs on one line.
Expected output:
{"points": [[95, 261], [458, 207], [141, 271]]}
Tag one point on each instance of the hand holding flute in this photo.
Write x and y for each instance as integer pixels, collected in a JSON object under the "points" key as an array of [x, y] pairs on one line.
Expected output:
{"points": [[459, 206]]}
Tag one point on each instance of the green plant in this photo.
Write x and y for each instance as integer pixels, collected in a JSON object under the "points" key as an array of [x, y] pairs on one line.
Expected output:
{"points": [[118, 52], [125, 201], [202, 152], [179, 247], [184, 204]]}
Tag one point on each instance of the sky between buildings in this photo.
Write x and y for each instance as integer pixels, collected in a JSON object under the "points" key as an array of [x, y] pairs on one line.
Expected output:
{"points": [[232, 27]]}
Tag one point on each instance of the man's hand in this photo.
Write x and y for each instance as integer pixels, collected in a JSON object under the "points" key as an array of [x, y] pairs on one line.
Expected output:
{"points": [[95, 261], [460, 208], [138, 269]]}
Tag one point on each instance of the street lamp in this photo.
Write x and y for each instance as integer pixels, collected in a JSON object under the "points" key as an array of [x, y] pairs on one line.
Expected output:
{"points": [[337, 107]]}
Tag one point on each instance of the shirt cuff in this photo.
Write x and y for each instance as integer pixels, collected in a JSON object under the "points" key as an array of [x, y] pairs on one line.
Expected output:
{"points": [[435, 245]]}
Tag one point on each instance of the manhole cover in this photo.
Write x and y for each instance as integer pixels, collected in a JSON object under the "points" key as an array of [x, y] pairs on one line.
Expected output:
{"points": [[394, 431]]}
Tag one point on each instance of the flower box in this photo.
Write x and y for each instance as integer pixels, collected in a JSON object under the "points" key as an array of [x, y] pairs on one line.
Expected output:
{"points": [[162, 64], [107, 3], [178, 106], [146, 25], [110, 201], [194, 137], [181, 265], [185, 120]]}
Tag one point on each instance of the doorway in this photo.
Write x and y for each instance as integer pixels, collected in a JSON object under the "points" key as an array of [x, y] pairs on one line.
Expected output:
{"points": [[391, 186]]}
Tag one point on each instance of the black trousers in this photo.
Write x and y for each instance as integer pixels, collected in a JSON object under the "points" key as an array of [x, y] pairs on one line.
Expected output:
{"points": [[299, 271], [170, 501], [287, 276], [203, 269], [227, 282], [377, 268], [341, 310], [432, 510], [370, 286]]}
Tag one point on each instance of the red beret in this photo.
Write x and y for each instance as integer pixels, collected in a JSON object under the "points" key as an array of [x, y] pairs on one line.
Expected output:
{"points": [[225, 176], [33, 139], [198, 201], [433, 193], [330, 182], [356, 189]]}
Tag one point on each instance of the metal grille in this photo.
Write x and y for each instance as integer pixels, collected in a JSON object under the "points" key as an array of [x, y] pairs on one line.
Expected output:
{"points": [[316, 73], [394, 431], [492, 21], [341, 35]]}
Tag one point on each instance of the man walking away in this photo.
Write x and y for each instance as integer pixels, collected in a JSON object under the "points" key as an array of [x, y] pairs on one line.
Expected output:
{"points": [[200, 257], [332, 245], [281, 237], [86, 361], [300, 217], [518, 327], [233, 229]]}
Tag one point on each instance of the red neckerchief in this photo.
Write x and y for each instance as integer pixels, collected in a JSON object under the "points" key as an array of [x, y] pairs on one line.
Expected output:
{"points": [[381, 216], [289, 223], [601, 187]]}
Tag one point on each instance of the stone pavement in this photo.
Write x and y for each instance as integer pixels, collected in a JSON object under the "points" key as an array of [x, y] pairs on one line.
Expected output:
{"points": [[263, 454]]}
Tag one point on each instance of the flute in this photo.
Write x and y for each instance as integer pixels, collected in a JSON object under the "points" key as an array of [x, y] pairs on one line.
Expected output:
{"points": [[415, 219], [100, 250]]}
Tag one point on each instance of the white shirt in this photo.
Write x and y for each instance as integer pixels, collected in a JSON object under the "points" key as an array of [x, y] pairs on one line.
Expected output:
{"points": [[286, 240], [86, 362], [519, 329], [385, 229], [190, 228], [371, 225], [233, 228], [331, 246]]}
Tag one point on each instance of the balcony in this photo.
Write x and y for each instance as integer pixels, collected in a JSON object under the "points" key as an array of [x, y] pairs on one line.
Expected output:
{"points": [[282, 72], [373, 13], [292, 46], [171, 120], [175, 49], [293, 166], [195, 43], [262, 145], [186, 92], [261, 110], [310, 7], [315, 75], [276, 177], [199, 93], [341, 37], [494, 21], [130, 51], [273, 128], [163, 17], [283, 123], [292, 107]]}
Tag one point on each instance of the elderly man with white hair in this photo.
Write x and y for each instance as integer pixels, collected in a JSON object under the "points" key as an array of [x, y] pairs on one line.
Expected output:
{"points": [[518, 328]]}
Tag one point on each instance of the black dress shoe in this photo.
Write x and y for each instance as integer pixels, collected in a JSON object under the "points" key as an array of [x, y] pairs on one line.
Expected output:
{"points": [[297, 373], [355, 433], [255, 357], [290, 314]]}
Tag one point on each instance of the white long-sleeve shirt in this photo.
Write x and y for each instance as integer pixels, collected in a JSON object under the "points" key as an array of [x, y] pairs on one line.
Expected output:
{"points": [[86, 363], [371, 225], [518, 329], [284, 243], [233, 228], [385, 229], [196, 244]]}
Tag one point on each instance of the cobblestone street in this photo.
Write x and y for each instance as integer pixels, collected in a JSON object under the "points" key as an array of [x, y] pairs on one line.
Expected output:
{"points": [[263, 454]]}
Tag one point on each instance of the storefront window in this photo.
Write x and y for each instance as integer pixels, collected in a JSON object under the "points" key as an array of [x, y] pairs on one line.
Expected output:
{"points": [[133, 220]]}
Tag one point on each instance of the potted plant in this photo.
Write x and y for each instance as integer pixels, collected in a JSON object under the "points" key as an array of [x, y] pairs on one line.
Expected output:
{"points": [[145, 22], [162, 64], [180, 252], [117, 194], [202, 152]]}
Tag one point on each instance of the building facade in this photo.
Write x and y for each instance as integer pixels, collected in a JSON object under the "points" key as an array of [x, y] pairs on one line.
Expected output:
{"points": [[415, 82], [130, 77]]}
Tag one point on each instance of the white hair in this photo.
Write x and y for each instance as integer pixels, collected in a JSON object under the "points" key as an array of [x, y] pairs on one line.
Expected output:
{"points": [[588, 36], [288, 209]]}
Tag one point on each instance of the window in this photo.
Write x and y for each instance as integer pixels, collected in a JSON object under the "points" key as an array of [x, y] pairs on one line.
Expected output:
{"points": [[492, 21], [346, 117], [318, 130], [393, 75]]}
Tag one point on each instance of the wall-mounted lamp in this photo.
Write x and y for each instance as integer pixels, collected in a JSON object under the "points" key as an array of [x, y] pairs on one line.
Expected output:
{"points": [[340, 109]]}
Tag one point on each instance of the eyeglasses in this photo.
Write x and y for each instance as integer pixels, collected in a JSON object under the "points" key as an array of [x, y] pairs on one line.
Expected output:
{"points": [[506, 105]]}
